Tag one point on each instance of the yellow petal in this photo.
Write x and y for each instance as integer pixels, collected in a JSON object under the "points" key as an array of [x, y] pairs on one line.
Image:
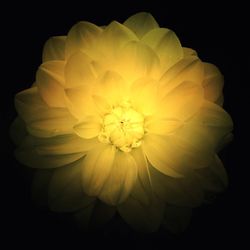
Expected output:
{"points": [[50, 83], [111, 41], [144, 178], [186, 191], [111, 86], [214, 177], [96, 168], [188, 69], [41, 120], [80, 102], [65, 189], [54, 49], [213, 83], [141, 217], [215, 120], [82, 36], [141, 23], [28, 155], [63, 144], [144, 89], [137, 60], [89, 127], [79, 71], [155, 149], [166, 45], [182, 102], [189, 52], [121, 179], [162, 126]]}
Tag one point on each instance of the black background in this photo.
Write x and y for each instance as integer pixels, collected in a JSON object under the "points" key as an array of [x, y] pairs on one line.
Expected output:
{"points": [[217, 32]]}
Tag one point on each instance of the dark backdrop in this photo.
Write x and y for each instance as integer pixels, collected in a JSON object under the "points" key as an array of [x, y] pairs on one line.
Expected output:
{"points": [[217, 32]]}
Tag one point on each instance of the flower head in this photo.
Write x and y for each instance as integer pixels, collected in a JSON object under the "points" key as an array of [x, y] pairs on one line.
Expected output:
{"points": [[125, 115]]}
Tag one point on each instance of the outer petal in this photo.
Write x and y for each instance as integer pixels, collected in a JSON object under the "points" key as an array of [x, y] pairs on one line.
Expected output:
{"points": [[214, 178], [62, 144], [143, 184], [140, 216], [176, 219], [141, 23], [54, 49], [40, 184], [41, 120], [215, 120], [28, 155], [50, 83], [182, 102], [185, 191], [188, 69], [137, 60], [113, 38], [155, 149], [166, 44], [65, 189], [18, 131], [79, 71], [213, 83], [82, 36], [121, 179], [96, 168]]}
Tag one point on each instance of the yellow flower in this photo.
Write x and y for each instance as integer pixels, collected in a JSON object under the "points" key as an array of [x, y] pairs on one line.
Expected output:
{"points": [[124, 119]]}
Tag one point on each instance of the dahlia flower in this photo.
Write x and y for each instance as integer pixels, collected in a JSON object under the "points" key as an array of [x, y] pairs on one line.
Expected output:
{"points": [[123, 119]]}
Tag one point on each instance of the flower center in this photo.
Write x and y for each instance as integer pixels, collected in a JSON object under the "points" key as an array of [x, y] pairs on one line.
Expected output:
{"points": [[123, 127]]}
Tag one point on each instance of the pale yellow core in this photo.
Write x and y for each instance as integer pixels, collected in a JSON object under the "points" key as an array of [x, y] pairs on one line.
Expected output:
{"points": [[123, 127]]}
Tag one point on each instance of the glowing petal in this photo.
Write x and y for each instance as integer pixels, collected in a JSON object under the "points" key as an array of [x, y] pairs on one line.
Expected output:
{"points": [[50, 83], [188, 69], [121, 179], [213, 83], [166, 45], [54, 49], [182, 102], [82, 36], [145, 89], [89, 127], [113, 38], [162, 126], [96, 168], [65, 189], [143, 185], [141, 23], [155, 150], [137, 60], [79, 71]]}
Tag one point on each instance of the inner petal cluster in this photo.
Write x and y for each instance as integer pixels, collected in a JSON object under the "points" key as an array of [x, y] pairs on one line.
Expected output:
{"points": [[122, 127]]}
